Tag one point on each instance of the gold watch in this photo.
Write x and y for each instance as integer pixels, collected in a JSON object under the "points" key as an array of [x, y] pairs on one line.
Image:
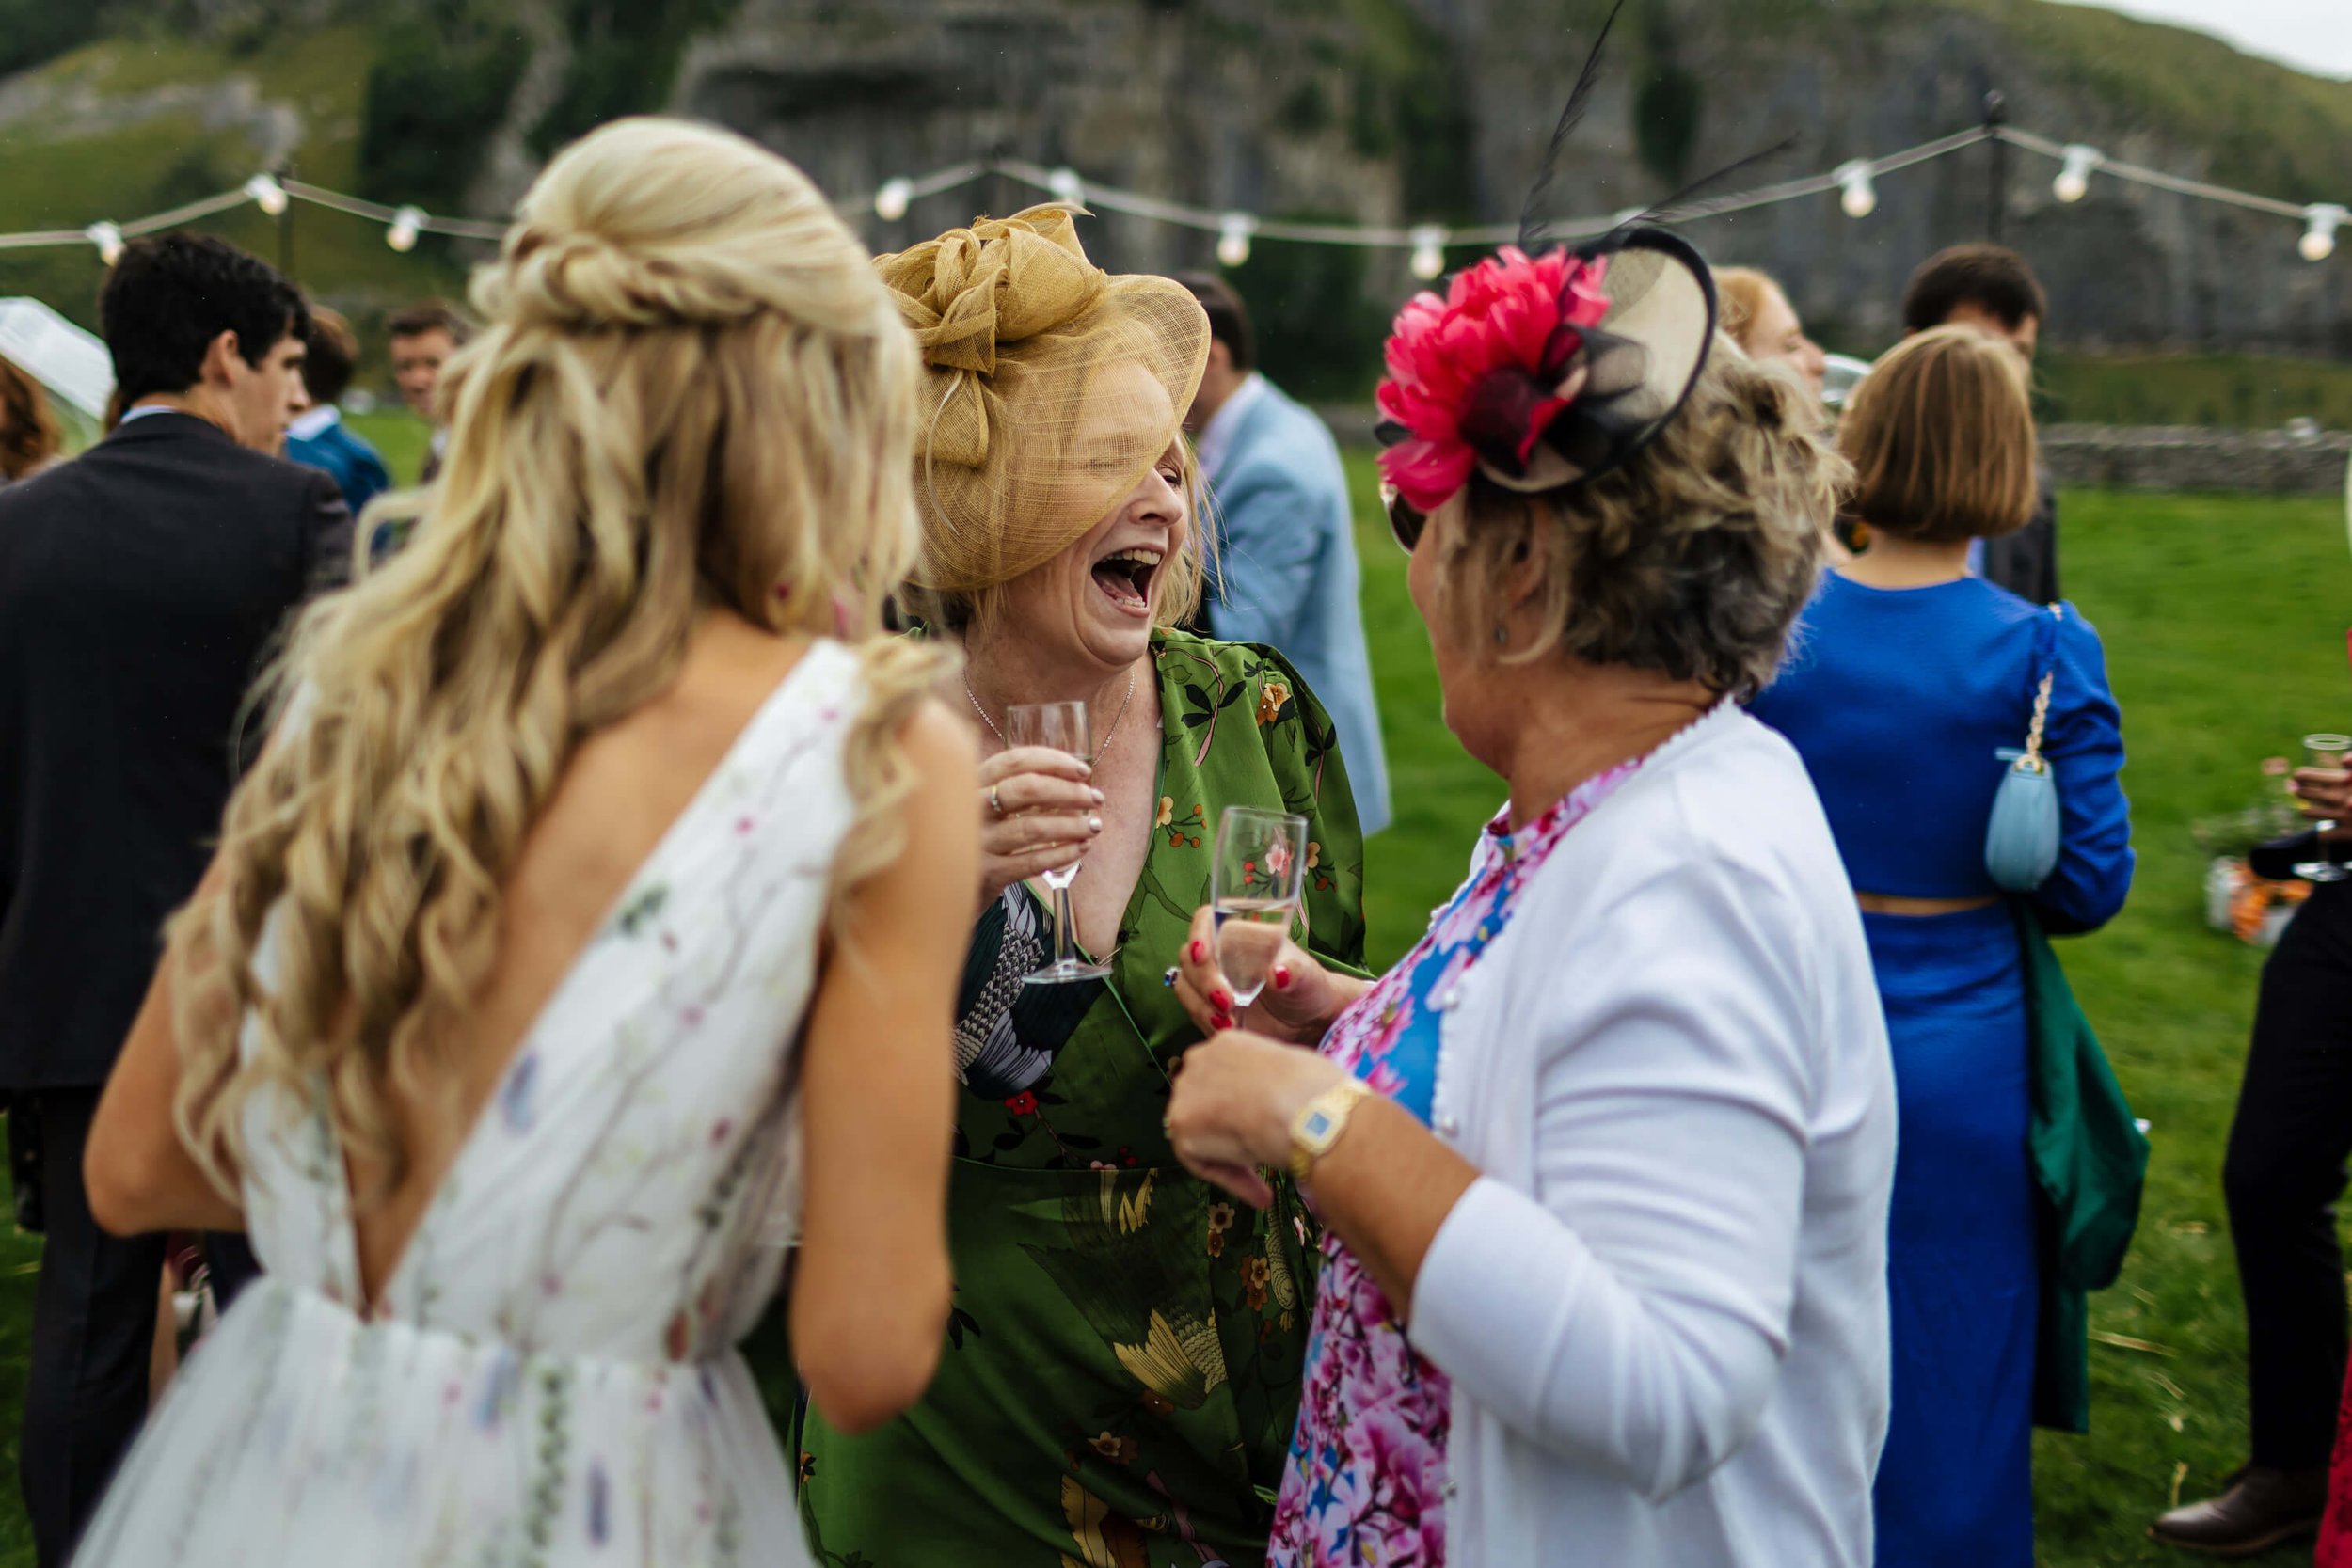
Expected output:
{"points": [[1319, 1123]]}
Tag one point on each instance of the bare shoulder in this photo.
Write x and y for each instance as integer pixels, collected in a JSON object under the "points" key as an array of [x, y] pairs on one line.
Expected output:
{"points": [[941, 745]]}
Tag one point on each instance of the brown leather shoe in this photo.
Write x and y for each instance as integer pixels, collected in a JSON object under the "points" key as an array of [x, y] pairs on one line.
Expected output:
{"points": [[2262, 1508]]}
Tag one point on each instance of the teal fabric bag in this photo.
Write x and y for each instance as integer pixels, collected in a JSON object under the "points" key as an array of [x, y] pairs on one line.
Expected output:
{"points": [[2089, 1162], [2021, 842]]}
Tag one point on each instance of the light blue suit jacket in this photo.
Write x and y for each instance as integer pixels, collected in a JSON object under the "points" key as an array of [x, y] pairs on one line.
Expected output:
{"points": [[1288, 564]]}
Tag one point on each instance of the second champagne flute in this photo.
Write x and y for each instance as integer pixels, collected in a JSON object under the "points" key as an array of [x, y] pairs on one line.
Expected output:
{"points": [[1255, 880], [1059, 727]]}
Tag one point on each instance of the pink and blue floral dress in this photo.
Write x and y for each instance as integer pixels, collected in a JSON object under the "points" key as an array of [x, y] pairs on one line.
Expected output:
{"points": [[1366, 1483]]}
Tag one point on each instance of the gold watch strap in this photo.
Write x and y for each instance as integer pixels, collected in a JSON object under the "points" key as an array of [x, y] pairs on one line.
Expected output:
{"points": [[1319, 1123]]}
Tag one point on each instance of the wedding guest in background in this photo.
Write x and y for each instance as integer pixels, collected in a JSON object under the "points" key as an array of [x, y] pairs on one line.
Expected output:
{"points": [[141, 586], [1124, 1359], [422, 338], [1285, 546], [1758, 317], [1990, 288], [1605, 1157], [28, 430], [607, 864], [318, 437], [2282, 1178], [1911, 676]]}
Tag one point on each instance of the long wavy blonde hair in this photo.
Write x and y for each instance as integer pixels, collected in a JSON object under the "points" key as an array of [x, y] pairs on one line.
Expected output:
{"points": [[692, 393]]}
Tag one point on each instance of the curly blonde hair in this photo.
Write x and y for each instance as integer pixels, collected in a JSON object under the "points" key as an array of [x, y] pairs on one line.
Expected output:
{"points": [[692, 393], [1693, 558]]}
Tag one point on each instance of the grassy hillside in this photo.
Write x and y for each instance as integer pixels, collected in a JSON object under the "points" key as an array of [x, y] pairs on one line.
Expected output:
{"points": [[394, 98], [157, 154]]}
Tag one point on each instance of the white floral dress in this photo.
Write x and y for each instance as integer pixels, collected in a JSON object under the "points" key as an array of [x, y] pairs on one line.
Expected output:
{"points": [[550, 1375]]}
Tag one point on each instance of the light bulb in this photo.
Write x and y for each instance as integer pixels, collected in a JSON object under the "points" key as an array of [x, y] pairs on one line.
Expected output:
{"points": [[406, 222], [890, 202], [1428, 251], [1066, 186], [2073, 182], [267, 193], [108, 237], [1859, 198], [2319, 240], [1232, 237]]}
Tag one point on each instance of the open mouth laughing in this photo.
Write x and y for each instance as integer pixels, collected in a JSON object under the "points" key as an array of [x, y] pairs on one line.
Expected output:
{"points": [[1125, 578]]}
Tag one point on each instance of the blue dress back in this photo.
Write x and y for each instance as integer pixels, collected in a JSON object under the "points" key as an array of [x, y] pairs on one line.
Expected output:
{"points": [[1901, 701]]}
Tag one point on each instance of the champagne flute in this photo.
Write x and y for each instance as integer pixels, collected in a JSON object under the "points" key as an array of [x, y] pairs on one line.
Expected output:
{"points": [[1255, 880], [1059, 727], [2329, 751]]}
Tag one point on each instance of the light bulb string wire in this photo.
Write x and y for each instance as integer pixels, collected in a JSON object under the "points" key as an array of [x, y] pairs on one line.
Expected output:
{"points": [[1223, 220]]}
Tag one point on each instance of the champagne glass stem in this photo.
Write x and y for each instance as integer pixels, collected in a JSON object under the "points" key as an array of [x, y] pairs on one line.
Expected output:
{"points": [[1064, 951]]}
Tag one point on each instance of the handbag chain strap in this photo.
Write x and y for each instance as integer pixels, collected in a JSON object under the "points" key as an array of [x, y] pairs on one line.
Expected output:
{"points": [[2031, 762]]}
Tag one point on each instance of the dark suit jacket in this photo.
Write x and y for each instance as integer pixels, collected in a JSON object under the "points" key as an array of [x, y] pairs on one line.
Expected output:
{"points": [[2026, 563], [142, 587]]}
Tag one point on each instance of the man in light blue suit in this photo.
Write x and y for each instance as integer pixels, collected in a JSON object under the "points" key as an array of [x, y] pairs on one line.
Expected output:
{"points": [[1286, 541]]}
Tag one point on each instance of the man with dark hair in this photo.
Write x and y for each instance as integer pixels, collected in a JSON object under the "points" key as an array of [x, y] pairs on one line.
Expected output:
{"points": [[1286, 543], [141, 587], [1989, 287], [318, 437], [423, 336]]}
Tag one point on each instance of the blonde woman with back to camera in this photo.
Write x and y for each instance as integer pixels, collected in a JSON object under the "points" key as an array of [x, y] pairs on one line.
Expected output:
{"points": [[588, 927]]}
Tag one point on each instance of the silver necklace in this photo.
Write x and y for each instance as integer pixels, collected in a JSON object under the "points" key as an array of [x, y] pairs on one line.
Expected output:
{"points": [[1108, 736]]}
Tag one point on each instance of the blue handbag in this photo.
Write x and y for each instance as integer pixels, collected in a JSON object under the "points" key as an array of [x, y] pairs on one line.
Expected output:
{"points": [[2021, 843]]}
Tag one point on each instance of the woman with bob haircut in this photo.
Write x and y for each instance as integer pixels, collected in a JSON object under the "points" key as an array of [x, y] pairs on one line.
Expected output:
{"points": [[584, 937], [1604, 1159], [1911, 680]]}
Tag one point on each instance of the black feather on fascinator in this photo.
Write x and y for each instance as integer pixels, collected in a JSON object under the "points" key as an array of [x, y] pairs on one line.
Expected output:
{"points": [[1548, 363]]}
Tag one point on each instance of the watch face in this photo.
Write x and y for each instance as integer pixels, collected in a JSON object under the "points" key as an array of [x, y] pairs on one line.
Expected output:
{"points": [[1317, 1125]]}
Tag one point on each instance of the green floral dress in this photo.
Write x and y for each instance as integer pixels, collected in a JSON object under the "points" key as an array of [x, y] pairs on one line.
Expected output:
{"points": [[1121, 1370]]}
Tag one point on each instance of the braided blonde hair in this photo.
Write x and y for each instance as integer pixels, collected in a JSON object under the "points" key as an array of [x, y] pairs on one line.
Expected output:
{"points": [[692, 393]]}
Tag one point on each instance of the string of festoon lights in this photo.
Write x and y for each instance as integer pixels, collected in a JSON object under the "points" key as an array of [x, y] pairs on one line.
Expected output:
{"points": [[1425, 244]]}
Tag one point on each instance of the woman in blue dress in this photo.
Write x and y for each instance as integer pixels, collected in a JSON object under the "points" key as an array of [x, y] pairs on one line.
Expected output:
{"points": [[1908, 678]]}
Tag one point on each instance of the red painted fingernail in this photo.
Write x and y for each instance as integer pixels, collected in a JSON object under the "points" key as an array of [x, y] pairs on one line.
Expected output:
{"points": [[1197, 954], [1219, 998], [1222, 1021], [1281, 978]]}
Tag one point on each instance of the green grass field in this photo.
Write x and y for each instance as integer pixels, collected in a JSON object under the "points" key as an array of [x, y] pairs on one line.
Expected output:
{"points": [[2224, 620]]}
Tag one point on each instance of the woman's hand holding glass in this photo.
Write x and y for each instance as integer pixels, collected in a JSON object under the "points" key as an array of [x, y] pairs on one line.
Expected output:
{"points": [[1298, 1005], [1039, 813]]}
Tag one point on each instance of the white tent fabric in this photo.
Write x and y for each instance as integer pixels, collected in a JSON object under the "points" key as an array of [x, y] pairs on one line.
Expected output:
{"points": [[72, 363]]}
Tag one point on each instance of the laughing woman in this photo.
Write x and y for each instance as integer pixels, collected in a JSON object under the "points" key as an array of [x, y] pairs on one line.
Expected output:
{"points": [[1121, 1372]]}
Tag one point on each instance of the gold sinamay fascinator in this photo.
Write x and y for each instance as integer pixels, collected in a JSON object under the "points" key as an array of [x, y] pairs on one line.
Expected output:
{"points": [[1051, 387]]}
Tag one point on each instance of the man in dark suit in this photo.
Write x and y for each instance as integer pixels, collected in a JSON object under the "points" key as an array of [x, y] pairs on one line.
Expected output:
{"points": [[1989, 287], [142, 586]]}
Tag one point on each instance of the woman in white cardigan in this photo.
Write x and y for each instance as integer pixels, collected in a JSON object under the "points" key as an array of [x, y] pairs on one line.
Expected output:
{"points": [[1605, 1160]]}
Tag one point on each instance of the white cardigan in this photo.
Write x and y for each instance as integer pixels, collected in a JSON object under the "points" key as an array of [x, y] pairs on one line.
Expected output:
{"points": [[1663, 1304]]}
